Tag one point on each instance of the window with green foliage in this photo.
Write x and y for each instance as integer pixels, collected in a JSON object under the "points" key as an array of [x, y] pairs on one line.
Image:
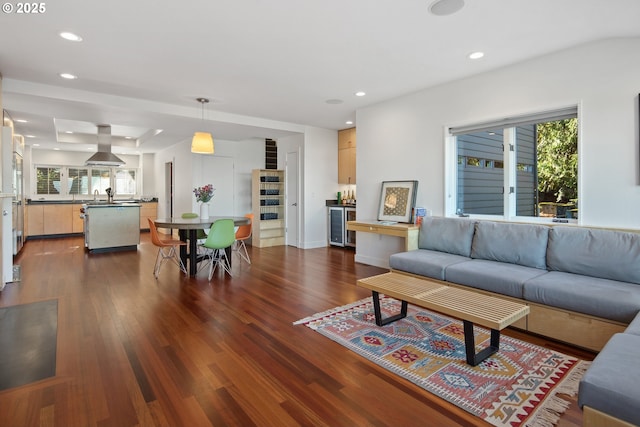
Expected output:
{"points": [[84, 181], [48, 180], [522, 166]]}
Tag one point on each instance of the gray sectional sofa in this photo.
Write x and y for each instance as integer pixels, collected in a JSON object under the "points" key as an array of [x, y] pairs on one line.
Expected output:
{"points": [[582, 286]]}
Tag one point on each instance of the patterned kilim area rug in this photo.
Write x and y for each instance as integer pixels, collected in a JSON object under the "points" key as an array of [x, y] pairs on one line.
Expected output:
{"points": [[517, 386]]}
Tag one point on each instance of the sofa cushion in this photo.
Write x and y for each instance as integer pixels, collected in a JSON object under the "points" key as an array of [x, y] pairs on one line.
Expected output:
{"points": [[634, 326], [609, 299], [493, 276], [610, 385], [523, 244], [608, 254], [425, 262], [451, 235]]}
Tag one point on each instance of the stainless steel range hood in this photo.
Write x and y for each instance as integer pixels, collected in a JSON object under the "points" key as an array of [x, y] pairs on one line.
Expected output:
{"points": [[104, 156]]}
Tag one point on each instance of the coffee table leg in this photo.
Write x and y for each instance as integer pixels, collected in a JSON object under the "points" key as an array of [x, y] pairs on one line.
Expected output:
{"points": [[378, 313], [474, 359]]}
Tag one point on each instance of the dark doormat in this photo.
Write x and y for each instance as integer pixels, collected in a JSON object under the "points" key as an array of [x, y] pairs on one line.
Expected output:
{"points": [[28, 335]]}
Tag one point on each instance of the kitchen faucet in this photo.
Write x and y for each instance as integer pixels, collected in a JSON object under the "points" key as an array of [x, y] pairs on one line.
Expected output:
{"points": [[95, 194]]}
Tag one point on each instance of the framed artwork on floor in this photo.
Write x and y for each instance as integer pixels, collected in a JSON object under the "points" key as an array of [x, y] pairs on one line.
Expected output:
{"points": [[397, 200]]}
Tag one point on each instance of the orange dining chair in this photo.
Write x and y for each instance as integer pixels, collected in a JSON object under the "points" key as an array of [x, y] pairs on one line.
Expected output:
{"points": [[166, 250], [244, 233]]}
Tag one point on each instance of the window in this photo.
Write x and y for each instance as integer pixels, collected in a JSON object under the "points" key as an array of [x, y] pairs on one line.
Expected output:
{"points": [[48, 180], [100, 179], [79, 178], [125, 181], [524, 166], [84, 181]]}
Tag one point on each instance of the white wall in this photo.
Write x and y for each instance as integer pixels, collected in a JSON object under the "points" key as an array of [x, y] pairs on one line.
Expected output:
{"points": [[320, 171], [404, 138]]}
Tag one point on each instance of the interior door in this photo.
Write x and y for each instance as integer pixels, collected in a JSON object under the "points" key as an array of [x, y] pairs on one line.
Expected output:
{"points": [[168, 189], [291, 177]]}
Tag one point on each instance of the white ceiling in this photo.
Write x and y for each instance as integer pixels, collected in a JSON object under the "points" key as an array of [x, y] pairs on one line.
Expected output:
{"points": [[269, 67]]}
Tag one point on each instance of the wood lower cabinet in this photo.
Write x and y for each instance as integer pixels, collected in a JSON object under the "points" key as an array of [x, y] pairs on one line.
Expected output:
{"points": [[64, 218], [148, 210], [49, 219], [35, 220], [57, 219], [43, 220], [77, 223]]}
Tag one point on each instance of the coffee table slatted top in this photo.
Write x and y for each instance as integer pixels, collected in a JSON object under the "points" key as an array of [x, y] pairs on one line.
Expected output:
{"points": [[485, 310]]}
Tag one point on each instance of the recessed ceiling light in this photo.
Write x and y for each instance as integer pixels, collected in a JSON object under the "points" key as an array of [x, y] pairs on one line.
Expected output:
{"points": [[70, 36], [57, 149], [36, 145], [446, 7], [360, 93], [21, 121], [349, 122], [68, 131], [128, 137], [29, 136], [68, 76], [476, 55]]}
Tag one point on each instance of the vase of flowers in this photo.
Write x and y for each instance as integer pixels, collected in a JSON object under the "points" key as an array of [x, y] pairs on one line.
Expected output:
{"points": [[204, 195]]}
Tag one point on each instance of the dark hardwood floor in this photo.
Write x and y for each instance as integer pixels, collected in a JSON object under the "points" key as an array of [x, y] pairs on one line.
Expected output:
{"points": [[136, 351]]}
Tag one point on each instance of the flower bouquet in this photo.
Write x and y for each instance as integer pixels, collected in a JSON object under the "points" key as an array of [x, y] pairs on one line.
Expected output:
{"points": [[204, 193]]}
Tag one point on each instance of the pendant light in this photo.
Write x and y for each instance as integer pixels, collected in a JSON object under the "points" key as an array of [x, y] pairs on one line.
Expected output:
{"points": [[202, 142]]}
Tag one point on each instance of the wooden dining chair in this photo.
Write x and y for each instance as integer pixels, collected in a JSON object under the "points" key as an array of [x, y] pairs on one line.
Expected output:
{"points": [[243, 233], [166, 250], [221, 236]]}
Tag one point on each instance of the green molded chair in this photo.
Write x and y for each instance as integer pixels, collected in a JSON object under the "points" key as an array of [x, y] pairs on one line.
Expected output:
{"points": [[221, 236], [201, 234]]}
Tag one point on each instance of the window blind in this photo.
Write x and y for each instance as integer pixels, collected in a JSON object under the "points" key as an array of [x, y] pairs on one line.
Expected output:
{"points": [[508, 122]]}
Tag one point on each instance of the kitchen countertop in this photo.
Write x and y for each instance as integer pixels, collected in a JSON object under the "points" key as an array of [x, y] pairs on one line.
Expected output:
{"points": [[113, 205], [334, 203], [87, 202]]}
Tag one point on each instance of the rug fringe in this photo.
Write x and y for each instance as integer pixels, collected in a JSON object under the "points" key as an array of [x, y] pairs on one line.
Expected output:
{"points": [[570, 385], [331, 311], [555, 406], [549, 415]]}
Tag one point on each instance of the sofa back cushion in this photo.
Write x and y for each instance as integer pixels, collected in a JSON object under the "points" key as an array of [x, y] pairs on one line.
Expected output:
{"points": [[451, 235], [606, 254], [523, 244]]}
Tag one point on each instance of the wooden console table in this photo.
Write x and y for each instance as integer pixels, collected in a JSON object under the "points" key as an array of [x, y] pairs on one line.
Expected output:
{"points": [[407, 231]]}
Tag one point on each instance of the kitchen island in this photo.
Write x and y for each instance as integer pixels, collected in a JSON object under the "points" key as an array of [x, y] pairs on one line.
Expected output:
{"points": [[111, 226]]}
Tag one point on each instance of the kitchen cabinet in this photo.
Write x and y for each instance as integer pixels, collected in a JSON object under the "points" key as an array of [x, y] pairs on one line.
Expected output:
{"points": [[347, 156], [267, 199], [49, 219], [35, 220], [148, 210], [57, 219], [77, 223]]}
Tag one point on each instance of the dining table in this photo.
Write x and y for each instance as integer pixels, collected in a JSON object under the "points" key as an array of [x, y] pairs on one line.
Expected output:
{"points": [[188, 231]]}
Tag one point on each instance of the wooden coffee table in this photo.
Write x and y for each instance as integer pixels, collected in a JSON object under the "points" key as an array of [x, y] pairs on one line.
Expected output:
{"points": [[471, 307]]}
